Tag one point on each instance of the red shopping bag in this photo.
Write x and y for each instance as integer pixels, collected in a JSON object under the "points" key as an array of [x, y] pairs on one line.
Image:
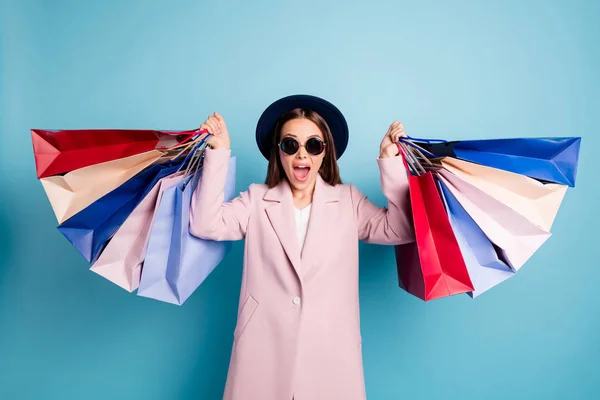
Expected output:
{"points": [[60, 151], [433, 266]]}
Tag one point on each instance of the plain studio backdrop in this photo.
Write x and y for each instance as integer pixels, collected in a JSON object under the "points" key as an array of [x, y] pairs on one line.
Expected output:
{"points": [[446, 69]]}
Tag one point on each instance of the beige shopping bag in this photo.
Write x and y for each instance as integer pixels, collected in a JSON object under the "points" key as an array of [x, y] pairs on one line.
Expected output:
{"points": [[538, 202], [74, 191]]}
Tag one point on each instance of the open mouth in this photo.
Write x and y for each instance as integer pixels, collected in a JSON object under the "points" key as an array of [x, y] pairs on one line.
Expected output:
{"points": [[301, 172]]}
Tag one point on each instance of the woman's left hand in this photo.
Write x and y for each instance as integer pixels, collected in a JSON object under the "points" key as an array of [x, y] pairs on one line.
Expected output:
{"points": [[388, 147]]}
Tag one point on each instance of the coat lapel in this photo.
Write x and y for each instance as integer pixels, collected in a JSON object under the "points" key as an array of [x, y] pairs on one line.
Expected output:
{"points": [[281, 216], [323, 217]]}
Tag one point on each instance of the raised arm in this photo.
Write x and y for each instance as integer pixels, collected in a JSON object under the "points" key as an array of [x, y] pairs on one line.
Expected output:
{"points": [[210, 217], [392, 225], [381, 225]]}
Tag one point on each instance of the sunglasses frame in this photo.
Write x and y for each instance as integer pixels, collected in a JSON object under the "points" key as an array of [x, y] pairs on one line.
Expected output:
{"points": [[324, 143]]}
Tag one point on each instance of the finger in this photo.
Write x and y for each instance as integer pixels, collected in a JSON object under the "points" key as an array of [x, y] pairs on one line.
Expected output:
{"points": [[391, 129], [207, 127], [399, 133], [394, 133], [216, 122], [213, 128], [213, 119], [219, 118], [402, 131], [217, 127], [398, 128]]}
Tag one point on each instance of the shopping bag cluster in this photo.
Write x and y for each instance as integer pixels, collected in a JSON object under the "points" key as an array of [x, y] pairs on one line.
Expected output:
{"points": [[481, 209], [122, 198]]}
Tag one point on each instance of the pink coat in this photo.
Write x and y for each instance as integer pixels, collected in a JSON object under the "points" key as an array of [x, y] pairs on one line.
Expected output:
{"points": [[298, 330]]}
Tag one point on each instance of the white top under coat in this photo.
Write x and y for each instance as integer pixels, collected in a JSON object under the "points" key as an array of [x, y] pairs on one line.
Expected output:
{"points": [[302, 217]]}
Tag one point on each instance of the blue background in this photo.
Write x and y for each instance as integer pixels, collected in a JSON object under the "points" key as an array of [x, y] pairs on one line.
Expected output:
{"points": [[461, 69]]}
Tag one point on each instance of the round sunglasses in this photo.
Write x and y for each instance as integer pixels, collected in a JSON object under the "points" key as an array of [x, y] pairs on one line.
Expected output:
{"points": [[290, 146]]}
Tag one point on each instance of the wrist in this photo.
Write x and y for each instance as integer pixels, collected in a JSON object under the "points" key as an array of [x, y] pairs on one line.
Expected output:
{"points": [[391, 151], [219, 147]]}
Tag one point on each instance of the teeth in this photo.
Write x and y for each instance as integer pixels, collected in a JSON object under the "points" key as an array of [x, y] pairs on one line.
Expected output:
{"points": [[301, 166]]}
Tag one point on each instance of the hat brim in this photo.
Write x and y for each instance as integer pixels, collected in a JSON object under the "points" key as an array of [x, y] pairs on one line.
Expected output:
{"points": [[330, 113]]}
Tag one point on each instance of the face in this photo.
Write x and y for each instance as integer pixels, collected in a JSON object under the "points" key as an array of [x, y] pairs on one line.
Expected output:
{"points": [[302, 167]]}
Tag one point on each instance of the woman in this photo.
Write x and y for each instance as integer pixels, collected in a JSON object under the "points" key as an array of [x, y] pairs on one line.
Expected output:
{"points": [[298, 330]]}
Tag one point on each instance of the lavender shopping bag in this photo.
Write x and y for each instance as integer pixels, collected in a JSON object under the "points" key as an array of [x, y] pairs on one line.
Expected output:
{"points": [[485, 265], [177, 262]]}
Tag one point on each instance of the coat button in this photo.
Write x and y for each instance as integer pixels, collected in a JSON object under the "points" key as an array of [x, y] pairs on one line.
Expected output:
{"points": [[296, 300]]}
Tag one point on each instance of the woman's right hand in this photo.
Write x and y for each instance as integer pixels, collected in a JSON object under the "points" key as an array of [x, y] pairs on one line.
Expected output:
{"points": [[219, 138]]}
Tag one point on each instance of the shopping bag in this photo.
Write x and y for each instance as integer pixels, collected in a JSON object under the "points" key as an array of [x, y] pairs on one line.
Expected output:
{"points": [[537, 201], [68, 194], [60, 151], [92, 227], [177, 262], [547, 159], [516, 236], [153, 280], [431, 267], [485, 266], [121, 260]]}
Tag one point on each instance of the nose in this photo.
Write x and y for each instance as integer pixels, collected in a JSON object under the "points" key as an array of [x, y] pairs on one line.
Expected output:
{"points": [[301, 153]]}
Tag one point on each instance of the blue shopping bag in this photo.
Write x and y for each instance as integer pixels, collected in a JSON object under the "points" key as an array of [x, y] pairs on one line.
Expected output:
{"points": [[177, 262], [91, 228], [547, 159], [484, 262]]}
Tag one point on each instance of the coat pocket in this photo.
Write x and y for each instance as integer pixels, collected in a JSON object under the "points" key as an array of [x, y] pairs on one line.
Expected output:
{"points": [[245, 314]]}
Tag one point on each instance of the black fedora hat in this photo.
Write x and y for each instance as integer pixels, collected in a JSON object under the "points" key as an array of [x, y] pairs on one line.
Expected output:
{"points": [[330, 113]]}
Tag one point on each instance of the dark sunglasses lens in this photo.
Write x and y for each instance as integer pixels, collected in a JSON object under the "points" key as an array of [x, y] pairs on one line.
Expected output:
{"points": [[314, 146], [289, 146]]}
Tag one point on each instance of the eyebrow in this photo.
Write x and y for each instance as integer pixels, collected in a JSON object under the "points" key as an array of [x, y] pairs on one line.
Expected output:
{"points": [[295, 136]]}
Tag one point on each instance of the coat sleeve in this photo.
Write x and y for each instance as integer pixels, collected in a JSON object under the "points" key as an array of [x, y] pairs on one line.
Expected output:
{"points": [[210, 217], [381, 225]]}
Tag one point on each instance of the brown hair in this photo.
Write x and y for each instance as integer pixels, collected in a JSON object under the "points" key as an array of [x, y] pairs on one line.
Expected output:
{"points": [[329, 170]]}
